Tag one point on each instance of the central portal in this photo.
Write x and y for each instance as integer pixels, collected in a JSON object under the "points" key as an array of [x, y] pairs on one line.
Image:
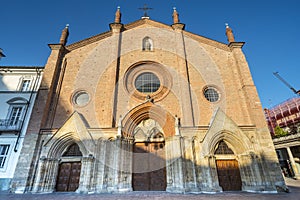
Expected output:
{"points": [[149, 167], [149, 163]]}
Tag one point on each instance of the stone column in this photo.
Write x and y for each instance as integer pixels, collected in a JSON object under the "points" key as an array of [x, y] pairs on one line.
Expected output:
{"points": [[125, 184], [209, 175], [293, 163], [46, 175], [129, 157], [175, 176], [108, 178], [100, 166], [251, 172], [117, 149], [41, 172], [52, 172], [86, 174], [190, 167], [197, 159]]}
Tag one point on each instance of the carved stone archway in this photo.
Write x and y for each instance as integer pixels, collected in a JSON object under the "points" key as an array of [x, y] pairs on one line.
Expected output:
{"points": [[144, 111], [72, 132]]}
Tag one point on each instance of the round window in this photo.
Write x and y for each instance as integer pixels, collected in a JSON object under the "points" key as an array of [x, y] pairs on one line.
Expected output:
{"points": [[211, 94], [147, 83], [147, 79], [81, 98]]}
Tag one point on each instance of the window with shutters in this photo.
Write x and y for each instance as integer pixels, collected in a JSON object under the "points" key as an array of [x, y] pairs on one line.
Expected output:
{"points": [[25, 86], [3, 154], [15, 115]]}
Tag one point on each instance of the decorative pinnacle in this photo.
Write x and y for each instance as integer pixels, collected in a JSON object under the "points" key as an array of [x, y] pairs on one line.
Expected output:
{"points": [[118, 15], [229, 34], [175, 16], [64, 35]]}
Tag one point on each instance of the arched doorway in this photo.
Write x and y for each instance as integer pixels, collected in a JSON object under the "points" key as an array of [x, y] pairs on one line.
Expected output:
{"points": [[227, 168], [69, 170], [149, 164]]}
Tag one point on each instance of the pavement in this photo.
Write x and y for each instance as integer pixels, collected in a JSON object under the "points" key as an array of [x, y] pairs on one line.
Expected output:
{"points": [[294, 194]]}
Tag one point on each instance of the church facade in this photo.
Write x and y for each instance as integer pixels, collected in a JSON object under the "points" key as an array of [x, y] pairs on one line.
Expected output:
{"points": [[147, 106]]}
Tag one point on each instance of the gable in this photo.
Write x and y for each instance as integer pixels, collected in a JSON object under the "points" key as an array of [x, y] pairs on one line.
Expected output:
{"points": [[74, 129], [146, 23], [222, 127]]}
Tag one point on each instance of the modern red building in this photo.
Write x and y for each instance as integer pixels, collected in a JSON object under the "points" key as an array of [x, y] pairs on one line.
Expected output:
{"points": [[287, 116]]}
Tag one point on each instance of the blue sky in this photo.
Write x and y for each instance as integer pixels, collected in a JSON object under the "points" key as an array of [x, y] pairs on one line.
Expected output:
{"points": [[270, 28]]}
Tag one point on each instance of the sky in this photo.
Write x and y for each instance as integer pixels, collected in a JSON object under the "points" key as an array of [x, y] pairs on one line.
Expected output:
{"points": [[269, 28]]}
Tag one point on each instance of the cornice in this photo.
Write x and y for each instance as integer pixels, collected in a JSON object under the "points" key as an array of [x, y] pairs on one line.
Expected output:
{"points": [[207, 41], [56, 46], [232, 45], [148, 22], [88, 41], [287, 139], [153, 23]]}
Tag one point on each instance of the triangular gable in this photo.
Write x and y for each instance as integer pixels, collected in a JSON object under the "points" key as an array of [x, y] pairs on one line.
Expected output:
{"points": [[223, 127], [143, 23], [74, 127], [220, 121], [147, 22]]}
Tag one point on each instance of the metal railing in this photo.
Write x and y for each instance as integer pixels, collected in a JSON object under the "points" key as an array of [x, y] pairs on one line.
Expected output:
{"points": [[10, 125]]}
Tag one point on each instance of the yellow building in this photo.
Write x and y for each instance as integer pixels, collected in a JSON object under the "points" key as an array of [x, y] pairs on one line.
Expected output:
{"points": [[147, 106]]}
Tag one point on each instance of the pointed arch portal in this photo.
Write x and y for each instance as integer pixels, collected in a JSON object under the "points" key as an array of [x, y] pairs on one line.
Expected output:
{"points": [[228, 168], [69, 170], [145, 111], [149, 163], [149, 159]]}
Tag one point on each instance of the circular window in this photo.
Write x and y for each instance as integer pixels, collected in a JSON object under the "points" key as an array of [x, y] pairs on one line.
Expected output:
{"points": [[148, 79], [147, 83], [211, 94], [81, 98]]}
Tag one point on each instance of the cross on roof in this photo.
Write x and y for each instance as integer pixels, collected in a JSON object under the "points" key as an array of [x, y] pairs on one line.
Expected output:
{"points": [[145, 9]]}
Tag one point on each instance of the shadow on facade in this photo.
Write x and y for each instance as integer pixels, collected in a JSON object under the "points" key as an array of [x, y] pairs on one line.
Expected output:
{"points": [[119, 165], [64, 146]]}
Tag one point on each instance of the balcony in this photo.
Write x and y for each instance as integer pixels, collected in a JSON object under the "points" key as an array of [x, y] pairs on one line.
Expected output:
{"points": [[7, 125]]}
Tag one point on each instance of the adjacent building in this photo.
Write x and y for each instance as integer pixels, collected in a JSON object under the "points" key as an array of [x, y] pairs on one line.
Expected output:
{"points": [[147, 106], [284, 125], [18, 88]]}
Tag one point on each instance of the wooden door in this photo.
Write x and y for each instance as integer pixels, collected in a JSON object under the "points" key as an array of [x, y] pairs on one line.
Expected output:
{"points": [[229, 175], [149, 167], [68, 177]]}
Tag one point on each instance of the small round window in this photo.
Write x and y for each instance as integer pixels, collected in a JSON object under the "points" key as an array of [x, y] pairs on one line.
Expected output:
{"points": [[211, 94], [147, 82], [81, 98]]}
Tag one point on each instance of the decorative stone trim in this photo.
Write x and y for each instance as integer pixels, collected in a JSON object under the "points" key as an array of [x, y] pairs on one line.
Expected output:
{"points": [[159, 70], [145, 111]]}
